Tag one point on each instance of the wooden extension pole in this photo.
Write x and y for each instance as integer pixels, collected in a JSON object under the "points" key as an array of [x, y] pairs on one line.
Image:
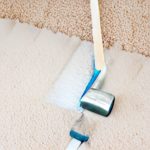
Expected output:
{"points": [[97, 35]]}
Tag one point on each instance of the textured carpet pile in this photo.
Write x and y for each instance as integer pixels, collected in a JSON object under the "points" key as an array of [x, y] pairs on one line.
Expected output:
{"points": [[32, 68], [31, 61], [125, 21]]}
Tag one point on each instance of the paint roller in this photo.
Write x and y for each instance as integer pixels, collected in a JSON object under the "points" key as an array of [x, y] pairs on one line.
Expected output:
{"points": [[93, 99]]}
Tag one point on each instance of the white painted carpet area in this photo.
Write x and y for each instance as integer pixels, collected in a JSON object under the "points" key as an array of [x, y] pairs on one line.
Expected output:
{"points": [[33, 66], [35, 59], [68, 89], [32, 59]]}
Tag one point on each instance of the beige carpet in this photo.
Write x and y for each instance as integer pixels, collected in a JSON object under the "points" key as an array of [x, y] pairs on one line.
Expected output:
{"points": [[28, 68], [125, 21]]}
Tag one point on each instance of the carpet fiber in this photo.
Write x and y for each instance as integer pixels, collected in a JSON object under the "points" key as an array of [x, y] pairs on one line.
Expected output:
{"points": [[125, 21], [31, 61]]}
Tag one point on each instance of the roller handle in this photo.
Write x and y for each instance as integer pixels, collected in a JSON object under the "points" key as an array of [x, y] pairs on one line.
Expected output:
{"points": [[97, 35]]}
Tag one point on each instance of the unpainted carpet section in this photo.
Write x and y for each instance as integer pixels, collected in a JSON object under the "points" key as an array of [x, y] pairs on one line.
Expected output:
{"points": [[125, 21], [128, 22]]}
